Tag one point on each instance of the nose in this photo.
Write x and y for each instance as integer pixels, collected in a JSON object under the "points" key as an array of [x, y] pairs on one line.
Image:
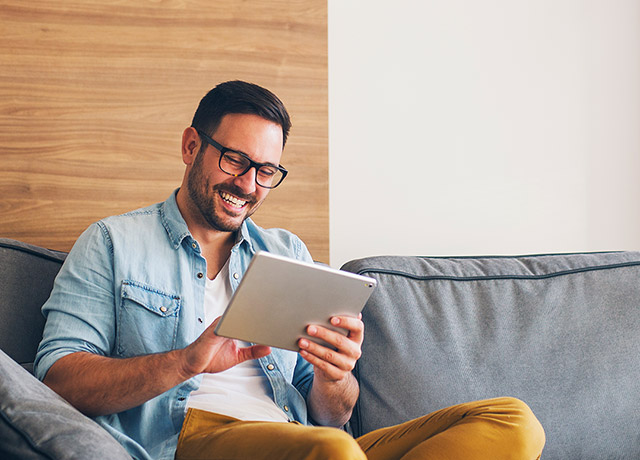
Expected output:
{"points": [[247, 182]]}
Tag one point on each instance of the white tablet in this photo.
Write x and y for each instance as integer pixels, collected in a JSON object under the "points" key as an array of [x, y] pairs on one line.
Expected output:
{"points": [[279, 297]]}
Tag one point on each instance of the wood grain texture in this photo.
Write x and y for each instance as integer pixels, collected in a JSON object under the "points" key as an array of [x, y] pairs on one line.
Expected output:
{"points": [[94, 96]]}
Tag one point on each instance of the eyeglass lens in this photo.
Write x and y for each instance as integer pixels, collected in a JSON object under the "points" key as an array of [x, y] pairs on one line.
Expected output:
{"points": [[236, 164]]}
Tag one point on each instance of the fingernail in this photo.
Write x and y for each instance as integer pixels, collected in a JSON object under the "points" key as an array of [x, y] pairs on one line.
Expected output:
{"points": [[335, 321], [311, 330]]}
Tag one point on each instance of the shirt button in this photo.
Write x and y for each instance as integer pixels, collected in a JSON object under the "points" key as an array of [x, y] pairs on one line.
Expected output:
{"points": [[286, 408], [193, 245], [200, 320], [236, 276], [200, 275], [163, 309], [271, 367]]}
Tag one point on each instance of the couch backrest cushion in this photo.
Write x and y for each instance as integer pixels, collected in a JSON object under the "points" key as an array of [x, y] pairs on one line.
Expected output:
{"points": [[27, 273], [561, 332]]}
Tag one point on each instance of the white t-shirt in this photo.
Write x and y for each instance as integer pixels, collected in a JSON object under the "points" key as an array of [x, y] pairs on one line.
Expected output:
{"points": [[242, 392]]}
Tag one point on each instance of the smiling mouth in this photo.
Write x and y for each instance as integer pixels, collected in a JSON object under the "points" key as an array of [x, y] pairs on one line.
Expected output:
{"points": [[233, 200]]}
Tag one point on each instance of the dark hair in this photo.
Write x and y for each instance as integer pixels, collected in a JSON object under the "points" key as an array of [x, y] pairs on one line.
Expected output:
{"points": [[240, 97]]}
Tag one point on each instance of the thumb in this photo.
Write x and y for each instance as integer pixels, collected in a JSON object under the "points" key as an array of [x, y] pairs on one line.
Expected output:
{"points": [[215, 322], [253, 352]]}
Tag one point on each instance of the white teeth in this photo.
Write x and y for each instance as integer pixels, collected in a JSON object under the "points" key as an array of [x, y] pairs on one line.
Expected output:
{"points": [[232, 199]]}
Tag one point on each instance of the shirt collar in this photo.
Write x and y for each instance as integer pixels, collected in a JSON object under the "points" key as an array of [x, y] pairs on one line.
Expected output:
{"points": [[173, 221], [244, 235]]}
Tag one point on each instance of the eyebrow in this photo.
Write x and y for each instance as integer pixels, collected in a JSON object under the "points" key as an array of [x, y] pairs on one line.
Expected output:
{"points": [[251, 159], [212, 141]]}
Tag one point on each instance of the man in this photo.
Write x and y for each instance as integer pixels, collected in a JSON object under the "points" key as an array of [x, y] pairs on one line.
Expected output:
{"points": [[129, 334]]}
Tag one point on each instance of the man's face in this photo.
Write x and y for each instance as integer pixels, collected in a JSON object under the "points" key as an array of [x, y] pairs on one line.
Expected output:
{"points": [[225, 201]]}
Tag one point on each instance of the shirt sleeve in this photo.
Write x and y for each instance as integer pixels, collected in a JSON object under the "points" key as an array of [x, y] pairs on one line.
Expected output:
{"points": [[302, 253], [303, 376], [80, 313]]}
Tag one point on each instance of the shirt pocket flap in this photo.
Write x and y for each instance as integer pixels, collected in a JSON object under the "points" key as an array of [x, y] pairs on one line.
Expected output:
{"points": [[152, 299]]}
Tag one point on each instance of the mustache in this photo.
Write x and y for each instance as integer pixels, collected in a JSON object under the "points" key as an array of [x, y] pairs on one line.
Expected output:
{"points": [[236, 191]]}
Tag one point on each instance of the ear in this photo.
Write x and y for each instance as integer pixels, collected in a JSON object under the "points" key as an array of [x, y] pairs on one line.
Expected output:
{"points": [[190, 145]]}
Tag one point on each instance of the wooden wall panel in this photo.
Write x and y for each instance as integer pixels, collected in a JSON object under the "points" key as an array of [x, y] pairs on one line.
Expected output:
{"points": [[94, 96]]}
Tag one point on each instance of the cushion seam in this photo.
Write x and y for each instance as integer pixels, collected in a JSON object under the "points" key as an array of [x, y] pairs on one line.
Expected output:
{"points": [[496, 277], [24, 435]]}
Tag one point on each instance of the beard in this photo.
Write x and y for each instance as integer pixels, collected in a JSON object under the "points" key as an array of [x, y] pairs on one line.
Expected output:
{"points": [[202, 195]]}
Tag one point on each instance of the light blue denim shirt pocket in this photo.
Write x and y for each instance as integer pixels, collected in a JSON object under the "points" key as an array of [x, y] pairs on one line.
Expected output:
{"points": [[147, 319]]}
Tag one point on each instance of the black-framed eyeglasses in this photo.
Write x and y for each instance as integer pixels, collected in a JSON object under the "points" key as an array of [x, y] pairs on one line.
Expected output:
{"points": [[237, 163]]}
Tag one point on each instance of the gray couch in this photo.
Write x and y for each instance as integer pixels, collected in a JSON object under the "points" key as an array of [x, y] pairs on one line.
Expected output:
{"points": [[561, 332], [35, 423]]}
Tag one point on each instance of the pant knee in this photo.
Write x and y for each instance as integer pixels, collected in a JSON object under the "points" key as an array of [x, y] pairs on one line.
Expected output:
{"points": [[526, 431], [334, 444]]}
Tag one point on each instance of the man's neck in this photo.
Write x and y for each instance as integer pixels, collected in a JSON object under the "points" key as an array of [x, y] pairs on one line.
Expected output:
{"points": [[215, 245]]}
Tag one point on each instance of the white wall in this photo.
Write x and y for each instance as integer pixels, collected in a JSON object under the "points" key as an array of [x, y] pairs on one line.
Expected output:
{"points": [[483, 127]]}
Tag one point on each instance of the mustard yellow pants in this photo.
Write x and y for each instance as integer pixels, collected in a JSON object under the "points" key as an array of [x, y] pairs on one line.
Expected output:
{"points": [[502, 428]]}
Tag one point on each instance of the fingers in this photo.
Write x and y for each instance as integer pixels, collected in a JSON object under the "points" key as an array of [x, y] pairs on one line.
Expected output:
{"points": [[324, 368], [350, 343], [211, 353], [354, 326], [334, 363]]}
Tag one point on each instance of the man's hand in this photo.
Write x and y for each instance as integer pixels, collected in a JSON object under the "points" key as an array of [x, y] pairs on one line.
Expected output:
{"points": [[100, 385], [333, 365], [211, 353], [334, 390]]}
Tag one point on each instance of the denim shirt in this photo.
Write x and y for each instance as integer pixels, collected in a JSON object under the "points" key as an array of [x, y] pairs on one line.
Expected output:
{"points": [[134, 285]]}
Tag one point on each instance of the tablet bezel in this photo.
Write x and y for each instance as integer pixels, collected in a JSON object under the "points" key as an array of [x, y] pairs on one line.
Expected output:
{"points": [[278, 297]]}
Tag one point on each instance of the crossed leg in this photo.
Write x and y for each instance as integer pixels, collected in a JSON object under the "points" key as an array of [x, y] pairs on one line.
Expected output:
{"points": [[502, 428]]}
